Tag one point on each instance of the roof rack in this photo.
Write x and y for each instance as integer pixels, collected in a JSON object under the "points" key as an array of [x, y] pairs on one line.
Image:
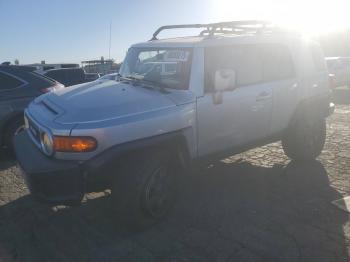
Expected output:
{"points": [[233, 27]]}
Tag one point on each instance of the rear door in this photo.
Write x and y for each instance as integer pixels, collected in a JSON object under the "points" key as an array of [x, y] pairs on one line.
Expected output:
{"points": [[319, 85], [280, 75]]}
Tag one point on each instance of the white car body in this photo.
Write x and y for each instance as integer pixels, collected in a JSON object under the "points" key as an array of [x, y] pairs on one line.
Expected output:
{"points": [[115, 113], [228, 92]]}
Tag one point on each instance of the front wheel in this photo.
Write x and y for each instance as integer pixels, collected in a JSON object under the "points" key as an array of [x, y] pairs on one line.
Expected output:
{"points": [[145, 190], [305, 139]]}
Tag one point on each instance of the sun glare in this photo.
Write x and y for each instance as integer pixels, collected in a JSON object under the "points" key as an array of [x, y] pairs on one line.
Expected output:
{"points": [[312, 17]]}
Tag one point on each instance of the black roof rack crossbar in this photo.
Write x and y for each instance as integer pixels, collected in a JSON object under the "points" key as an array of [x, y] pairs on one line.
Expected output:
{"points": [[210, 29]]}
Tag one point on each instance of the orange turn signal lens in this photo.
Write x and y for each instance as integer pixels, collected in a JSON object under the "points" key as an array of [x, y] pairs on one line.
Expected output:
{"points": [[74, 144]]}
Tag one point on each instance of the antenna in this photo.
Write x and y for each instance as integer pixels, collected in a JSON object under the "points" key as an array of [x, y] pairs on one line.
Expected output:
{"points": [[110, 40]]}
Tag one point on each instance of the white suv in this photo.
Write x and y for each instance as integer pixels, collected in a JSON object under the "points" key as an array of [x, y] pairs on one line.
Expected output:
{"points": [[177, 102]]}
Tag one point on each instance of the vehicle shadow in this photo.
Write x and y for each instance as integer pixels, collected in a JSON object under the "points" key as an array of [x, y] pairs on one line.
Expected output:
{"points": [[6, 159], [228, 212]]}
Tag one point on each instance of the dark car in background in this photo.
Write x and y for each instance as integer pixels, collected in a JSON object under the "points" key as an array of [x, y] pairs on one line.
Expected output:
{"points": [[67, 76], [71, 76], [91, 77], [19, 85]]}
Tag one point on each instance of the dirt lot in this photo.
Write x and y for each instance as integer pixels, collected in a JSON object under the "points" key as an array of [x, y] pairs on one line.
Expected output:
{"points": [[256, 206]]}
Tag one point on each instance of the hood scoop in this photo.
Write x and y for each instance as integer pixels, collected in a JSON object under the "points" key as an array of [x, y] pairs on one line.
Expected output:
{"points": [[95, 102], [49, 108]]}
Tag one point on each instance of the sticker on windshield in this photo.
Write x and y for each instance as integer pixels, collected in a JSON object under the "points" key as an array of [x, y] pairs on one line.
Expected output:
{"points": [[176, 56]]}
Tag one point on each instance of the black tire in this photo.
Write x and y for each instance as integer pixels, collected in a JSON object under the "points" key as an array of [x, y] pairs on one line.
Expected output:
{"points": [[305, 139], [13, 127], [135, 189]]}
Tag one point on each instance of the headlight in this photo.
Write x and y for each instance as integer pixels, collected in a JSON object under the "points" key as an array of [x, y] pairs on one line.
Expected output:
{"points": [[47, 143]]}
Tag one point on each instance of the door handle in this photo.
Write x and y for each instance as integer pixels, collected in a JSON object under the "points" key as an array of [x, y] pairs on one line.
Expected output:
{"points": [[263, 96]]}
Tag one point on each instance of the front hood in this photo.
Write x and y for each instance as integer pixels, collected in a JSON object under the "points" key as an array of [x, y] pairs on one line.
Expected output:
{"points": [[106, 100]]}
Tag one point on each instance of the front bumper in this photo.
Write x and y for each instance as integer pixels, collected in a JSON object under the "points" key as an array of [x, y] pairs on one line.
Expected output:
{"points": [[55, 181]]}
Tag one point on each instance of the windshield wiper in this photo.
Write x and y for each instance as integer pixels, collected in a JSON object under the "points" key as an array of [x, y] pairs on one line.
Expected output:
{"points": [[149, 83], [156, 83], [126, 78]]}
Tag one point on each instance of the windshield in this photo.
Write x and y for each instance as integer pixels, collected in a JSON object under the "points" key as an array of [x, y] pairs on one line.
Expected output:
{"points": [[163, 66]]}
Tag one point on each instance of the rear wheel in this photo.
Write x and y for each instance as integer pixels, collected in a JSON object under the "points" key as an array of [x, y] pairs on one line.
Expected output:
{"points": [[145, 190], [305, 139]]}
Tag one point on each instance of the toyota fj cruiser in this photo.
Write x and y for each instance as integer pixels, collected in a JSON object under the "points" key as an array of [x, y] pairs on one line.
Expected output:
{"points": [[179, 101]]}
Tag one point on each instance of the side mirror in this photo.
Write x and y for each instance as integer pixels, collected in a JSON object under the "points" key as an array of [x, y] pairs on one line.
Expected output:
{"points": [[225, 79]]}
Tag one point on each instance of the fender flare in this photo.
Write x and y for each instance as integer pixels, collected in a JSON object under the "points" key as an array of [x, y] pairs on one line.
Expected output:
{"points": [[174, 142], [311, 109]]}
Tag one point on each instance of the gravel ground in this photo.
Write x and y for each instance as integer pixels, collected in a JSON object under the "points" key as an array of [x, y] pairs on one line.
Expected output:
{"points": [[255, 206]]}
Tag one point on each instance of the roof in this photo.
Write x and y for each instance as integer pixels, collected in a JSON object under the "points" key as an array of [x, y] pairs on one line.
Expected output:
{"points": [[337, 57], [99, 61], [65, 69], [40, 64], [17, 68]]}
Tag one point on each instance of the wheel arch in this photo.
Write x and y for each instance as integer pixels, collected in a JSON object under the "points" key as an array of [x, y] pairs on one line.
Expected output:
{"points": [[174, 142], [4, 124], [311, 109]]}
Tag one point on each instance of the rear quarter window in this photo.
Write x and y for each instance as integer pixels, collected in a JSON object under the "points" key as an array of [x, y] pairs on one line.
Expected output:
{"points": [[8, 81]]}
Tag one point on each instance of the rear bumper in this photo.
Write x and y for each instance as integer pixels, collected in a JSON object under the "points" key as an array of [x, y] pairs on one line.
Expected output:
{"points": [[51, 180]]}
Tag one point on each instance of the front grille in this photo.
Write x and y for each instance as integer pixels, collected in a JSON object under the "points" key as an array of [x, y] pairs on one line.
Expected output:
{"points": [[34, 130]]}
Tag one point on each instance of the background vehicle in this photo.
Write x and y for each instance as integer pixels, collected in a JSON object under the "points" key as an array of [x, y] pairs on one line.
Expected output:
{"points": [[340, 68], [113, 76], [91, 77], [67, 76], [41, 68], [18, 86], [182, 101]]}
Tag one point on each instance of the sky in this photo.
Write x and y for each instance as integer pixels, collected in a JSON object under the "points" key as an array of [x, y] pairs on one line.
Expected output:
{"points": [[60, 31]]}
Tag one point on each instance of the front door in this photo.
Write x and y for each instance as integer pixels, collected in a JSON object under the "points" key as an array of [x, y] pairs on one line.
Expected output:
{"points": [[243, 114]]}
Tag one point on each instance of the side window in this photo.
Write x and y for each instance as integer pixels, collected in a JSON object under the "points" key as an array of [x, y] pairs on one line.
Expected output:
{"points": [[318, 58], [245, 60], [8, 82], [277, 62]]}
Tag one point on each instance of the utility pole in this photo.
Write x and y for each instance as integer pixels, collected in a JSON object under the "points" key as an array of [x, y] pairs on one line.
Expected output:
{"points": [[110, 40]]}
